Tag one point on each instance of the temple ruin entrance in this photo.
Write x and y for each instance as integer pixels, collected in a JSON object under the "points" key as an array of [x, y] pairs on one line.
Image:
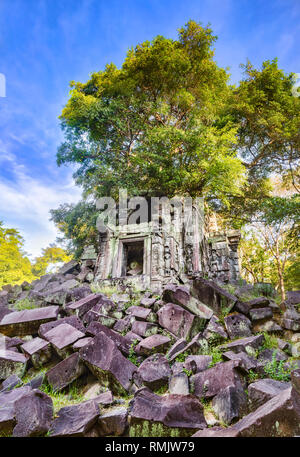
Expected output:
{"points": [[133, 258]]}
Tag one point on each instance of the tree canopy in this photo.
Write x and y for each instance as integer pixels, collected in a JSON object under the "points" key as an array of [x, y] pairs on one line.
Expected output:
{"points": [[168, 122], [50, 256], [15, 266]]}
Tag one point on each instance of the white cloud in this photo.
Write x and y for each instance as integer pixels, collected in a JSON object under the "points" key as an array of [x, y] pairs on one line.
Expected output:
{"points": [[25, 202]]}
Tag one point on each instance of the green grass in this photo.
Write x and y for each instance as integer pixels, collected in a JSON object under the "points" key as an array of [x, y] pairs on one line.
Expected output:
{"points": [[181, 357], [275, 369], [230, 288], [132, 354], [106, 290], [162, 390], [20, 305], [270, 342], [67, 397], [252, 376], [216, 355]]}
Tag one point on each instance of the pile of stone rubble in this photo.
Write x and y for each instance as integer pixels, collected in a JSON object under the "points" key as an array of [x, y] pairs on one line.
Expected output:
{"points": [[146, 367]]}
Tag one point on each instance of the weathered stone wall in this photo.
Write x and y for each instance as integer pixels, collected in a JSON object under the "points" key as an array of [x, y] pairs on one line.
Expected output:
{"points": [[170, 252]]}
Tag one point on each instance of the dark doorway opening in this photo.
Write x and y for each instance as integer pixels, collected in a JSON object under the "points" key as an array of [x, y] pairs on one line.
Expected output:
{"points": [[133, 258]]}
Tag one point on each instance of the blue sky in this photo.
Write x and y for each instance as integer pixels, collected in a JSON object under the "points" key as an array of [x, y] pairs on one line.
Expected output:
{"points": [[44, 44]]}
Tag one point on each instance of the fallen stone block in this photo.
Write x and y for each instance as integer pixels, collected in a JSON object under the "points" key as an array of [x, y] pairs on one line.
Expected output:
{"points": [[176, 348], [149, 411], [197, 363], [266, 357], [237, 326], [291, 319], [28, 321], [123, 325], [245, 306], [62, 293], [179, 321], [107, 363], [292, 365], [94, 316], [122, 343], [180, 295], [246, 361], [154, 372], [230, 403], [144, 329], [113, 423], [295, 378], [133, 338], [12, 363], [33, 412], [38, 350], [72, 320], [10, 383], [140, 313], [214, 331], [7, 408], [12, 344], [80, 343], [70, 267], [248, 345], [210, 382], [36, 382], [147, 302], [293, 296], [259, 392], [75, 420], [279, 416], [4, 310], [55, 293], [179, 384], [290, 324], [80, 307], [153, 344], [214, 296], [62, 338], [105, 398], [94, 392], [269, 327], [65, 372], [257, 314], [284, 346]]}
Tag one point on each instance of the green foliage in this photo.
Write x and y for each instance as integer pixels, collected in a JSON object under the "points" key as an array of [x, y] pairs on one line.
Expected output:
{"points": [[268, 117], [154, 126], [269, 254], [154, 429], [168, 123], [51, 255], [162, 390], [15, 267], [187, 372], [275, 369], [252, 376], [132, 354], [181, 357], [66, 397], [25, 303], [270, 342], [77, 223], [216, 355], [106, 290]]}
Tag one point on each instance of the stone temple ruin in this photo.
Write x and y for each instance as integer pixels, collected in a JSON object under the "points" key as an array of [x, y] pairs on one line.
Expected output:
{"points": [[167, 248]]}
